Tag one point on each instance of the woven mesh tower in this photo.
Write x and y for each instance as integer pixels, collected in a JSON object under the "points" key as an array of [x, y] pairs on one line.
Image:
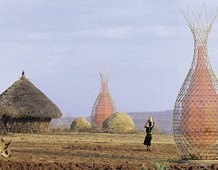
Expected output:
{"points": [[195, 119], [104, 105]]}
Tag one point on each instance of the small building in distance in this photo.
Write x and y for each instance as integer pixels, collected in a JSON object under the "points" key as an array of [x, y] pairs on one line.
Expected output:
{"points": [[27, 109]]}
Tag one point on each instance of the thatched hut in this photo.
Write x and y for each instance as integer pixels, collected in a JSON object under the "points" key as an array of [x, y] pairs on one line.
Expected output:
{"points": [[26, 108]]}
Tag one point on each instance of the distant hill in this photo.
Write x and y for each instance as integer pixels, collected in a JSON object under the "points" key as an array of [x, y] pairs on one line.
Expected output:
{"points": [[163, 120], [63, 122]]}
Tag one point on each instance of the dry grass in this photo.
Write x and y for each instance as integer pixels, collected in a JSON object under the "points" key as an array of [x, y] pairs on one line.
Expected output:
{"points": [[83, 147], [68, 137], [82, 150]]}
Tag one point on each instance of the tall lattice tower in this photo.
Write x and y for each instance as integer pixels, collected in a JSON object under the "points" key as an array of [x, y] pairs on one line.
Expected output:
{"points": [[104, 105], [195, 119]]}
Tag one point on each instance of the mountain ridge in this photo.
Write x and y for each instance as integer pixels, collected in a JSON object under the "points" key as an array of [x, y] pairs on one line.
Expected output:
{"points": [[163, 120]]}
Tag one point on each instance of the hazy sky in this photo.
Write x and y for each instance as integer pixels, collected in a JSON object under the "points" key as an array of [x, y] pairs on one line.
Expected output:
{"points": [[59, 43]]}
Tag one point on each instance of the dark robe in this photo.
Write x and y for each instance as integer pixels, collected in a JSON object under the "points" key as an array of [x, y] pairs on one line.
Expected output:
{"points": [[148, 136]]}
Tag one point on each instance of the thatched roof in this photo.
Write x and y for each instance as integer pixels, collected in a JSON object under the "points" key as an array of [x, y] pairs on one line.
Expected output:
{"points": [[23, 99]]}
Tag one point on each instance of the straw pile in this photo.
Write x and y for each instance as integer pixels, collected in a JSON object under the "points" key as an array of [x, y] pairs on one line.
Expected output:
{"points": [[80, 124], [119, 123]]}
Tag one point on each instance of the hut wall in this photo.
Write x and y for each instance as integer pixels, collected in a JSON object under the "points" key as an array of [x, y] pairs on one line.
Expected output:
{"points": [[27, 125]]}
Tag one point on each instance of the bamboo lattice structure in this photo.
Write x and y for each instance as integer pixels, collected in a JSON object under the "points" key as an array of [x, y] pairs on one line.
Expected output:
{"points": [[195, 118], [104, 105]]}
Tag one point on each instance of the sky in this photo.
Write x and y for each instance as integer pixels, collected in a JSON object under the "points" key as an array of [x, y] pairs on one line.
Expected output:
{"points": [[60, 44]]}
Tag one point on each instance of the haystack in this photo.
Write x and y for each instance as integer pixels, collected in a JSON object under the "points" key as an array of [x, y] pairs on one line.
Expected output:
{"points": [[80, 124], [119, 123], [28, 109]]}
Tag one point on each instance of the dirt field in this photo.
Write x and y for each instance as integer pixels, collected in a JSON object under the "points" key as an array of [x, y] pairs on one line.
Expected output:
{"points": [[81, 151]]}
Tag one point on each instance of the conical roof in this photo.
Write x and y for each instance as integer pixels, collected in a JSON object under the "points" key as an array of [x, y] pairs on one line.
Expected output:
{"points": [[23, 99]]}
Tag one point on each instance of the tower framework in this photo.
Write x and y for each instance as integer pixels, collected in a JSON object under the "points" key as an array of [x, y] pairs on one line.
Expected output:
{"points": [[104, 105], [195, 118]]}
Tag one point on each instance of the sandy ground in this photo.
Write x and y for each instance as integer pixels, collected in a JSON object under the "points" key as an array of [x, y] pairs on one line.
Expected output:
{"points": [[81, 151]]}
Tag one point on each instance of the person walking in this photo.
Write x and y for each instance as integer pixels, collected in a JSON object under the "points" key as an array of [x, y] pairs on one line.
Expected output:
{"points": [[148, 127]]}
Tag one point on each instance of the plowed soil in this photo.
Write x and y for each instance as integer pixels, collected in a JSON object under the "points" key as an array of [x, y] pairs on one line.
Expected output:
{"points": [[94, 151]]}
